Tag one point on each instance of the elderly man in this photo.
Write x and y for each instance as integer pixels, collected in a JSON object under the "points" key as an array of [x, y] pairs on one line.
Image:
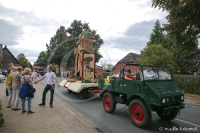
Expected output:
{"points": [[148, 73], [16, 85]]}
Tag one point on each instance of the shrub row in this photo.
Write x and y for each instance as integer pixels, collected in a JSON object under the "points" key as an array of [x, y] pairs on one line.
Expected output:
{"points": [[188, 83], [1, 116]]}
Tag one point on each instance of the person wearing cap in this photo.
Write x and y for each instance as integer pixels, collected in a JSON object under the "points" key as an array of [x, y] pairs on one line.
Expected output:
{"points": [[128, 76], [148, 73], [16, 85], [9, 87], [50, 85]]}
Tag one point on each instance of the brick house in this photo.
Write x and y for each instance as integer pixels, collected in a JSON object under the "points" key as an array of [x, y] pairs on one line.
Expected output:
{"points": [[6, 57], [129, 58]]}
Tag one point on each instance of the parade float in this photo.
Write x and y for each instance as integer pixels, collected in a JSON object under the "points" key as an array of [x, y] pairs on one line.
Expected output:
{"points": [[84, 80]]}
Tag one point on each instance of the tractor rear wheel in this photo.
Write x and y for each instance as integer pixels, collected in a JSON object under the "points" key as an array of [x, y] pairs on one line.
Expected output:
{"points": [[109, 103], [167, 115]]}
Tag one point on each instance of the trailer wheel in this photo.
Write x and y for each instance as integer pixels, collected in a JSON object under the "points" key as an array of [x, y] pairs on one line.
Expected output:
{"points": [[69, 91], [109, 103], [139, 114], [83, 94], [167, 115]]}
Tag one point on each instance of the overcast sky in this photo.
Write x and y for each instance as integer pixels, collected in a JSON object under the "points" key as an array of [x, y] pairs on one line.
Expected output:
{"points": [[124, 25]]}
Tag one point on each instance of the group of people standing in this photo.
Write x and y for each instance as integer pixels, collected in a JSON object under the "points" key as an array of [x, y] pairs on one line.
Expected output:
{"points": [[18, 85], [65, 74], [15, 84]]}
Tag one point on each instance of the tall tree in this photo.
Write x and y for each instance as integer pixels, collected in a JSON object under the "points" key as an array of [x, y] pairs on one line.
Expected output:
{"points": [[158, 37], [42, 59], [187, 63], [183, 21], [23, 61], [56, 49]]}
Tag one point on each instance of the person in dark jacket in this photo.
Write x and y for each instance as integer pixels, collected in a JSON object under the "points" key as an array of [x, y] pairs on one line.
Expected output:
{"points": [[25, 90]]}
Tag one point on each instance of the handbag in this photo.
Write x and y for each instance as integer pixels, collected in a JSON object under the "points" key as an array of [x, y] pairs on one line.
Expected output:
{"points": [[32, 89]]}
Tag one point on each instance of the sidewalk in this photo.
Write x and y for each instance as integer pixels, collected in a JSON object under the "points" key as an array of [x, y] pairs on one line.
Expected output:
{"points": [[62, 118], [194, 99]]}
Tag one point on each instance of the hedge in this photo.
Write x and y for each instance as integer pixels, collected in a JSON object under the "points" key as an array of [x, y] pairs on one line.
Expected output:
{"points": [[1, 116], [188, 83]]}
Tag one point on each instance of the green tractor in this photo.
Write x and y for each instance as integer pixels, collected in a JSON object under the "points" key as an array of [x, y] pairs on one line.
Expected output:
{"points": [[156, 92]]}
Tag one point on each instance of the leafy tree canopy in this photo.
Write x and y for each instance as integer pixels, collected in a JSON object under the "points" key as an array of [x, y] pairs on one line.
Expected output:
{"points": [[187, 62], [183, 21], [23, 61], [156, 55], [42, 59]]}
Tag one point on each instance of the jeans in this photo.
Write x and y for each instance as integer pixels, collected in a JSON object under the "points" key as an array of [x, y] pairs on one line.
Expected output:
{"points": [[46, 89], [9, 89], [29, 103], [15, 99], [7, 94]]}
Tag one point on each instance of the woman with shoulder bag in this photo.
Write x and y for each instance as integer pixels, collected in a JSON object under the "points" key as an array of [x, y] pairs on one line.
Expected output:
{"points": [[25, 90]]}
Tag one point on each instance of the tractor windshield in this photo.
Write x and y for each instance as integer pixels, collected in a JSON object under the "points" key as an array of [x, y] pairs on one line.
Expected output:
{"points": [[156, 72]]}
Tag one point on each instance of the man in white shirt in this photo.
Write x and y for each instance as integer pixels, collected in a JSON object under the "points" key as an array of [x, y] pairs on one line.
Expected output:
{"points": [[148, 73], [50, 85]]}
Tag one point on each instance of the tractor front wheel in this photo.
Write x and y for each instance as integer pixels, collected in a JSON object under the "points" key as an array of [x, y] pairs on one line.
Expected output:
{"points": [[139, 114]]}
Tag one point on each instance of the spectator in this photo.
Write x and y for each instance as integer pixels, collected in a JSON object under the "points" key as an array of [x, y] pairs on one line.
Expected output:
{"points": [[16, 85], [34, 75], [25, 90], [9, 87], [10, 66], [50, 85]]}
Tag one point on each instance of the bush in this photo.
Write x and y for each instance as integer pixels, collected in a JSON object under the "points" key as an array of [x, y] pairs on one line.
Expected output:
{"points": [[1, 116], [188, 83]]}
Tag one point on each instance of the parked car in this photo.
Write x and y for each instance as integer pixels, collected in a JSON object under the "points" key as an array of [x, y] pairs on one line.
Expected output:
{"points": [[2, 77], [3, 72]]}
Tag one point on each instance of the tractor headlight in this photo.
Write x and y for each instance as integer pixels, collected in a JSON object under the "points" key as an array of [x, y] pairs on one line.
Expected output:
{"points": [[163, 100], [182, 97]]}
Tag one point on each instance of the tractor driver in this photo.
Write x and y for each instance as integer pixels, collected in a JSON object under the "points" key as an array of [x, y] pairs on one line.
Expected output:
{"points": [[128, 75], [148, 73]]}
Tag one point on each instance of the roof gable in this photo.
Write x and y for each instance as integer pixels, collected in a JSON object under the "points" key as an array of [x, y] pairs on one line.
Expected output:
{"points": [[130, 58], [8, 57]]}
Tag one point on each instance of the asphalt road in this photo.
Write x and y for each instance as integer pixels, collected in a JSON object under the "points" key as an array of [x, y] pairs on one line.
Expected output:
{"points": [[119, 121]]}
